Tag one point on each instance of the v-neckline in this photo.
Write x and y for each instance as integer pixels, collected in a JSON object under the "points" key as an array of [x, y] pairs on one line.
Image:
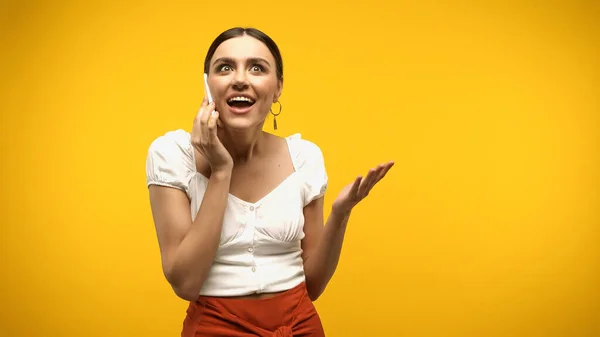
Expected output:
{"points": [[257, 203]]}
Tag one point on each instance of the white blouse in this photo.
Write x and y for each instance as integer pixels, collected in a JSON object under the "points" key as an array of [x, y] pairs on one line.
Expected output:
{"points": [[259, 249]]}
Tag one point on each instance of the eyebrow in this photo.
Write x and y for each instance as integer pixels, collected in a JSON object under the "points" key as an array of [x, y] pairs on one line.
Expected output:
{"points": [[249, 60]]}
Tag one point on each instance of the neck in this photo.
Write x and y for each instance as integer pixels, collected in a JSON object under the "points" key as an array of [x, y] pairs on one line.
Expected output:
{"points": [[242, 145]]}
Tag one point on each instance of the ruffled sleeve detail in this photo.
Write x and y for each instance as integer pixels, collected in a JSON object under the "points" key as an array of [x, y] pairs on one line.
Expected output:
{"points": [[170, 161], [309, 162]]}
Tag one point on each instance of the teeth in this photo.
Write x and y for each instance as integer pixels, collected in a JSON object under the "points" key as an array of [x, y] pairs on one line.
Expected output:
{"points": [[240, 99]]}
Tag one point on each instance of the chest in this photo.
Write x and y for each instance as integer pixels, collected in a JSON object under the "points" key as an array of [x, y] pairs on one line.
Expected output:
{"points": [[264, 204], [253, 182], [268, 221]]}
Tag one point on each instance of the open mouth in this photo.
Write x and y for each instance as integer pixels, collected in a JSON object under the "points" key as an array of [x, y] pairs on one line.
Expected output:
{"points": [[240, 102]]}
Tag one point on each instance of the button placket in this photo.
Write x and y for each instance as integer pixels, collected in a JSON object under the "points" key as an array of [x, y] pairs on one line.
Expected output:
{"points": [[251, 248]]}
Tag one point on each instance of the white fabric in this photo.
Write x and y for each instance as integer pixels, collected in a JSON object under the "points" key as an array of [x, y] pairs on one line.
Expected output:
{"points": [[260, 248]]}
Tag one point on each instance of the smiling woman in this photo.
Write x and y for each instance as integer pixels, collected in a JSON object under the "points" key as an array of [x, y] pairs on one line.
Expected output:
{"points": [[238, 211], [245, 70]]}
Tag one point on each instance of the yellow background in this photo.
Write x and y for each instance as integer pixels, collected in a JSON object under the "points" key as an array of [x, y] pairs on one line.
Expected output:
{"points": [[488, 225]]}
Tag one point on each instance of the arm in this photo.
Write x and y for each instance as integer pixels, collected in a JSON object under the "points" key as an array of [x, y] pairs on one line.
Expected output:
{"points": [[321, 246], [188, 248]]}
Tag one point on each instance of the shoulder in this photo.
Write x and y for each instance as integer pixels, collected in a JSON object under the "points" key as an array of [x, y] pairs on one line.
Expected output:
{"points": [[170, 160], [171, 142], [308, 160], [304, 151]]}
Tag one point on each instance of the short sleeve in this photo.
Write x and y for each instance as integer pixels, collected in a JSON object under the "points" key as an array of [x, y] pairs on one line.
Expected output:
{"points": [[312, 166], [170, 161]]}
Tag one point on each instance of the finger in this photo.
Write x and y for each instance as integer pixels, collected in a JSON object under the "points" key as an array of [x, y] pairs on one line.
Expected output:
{"points": [[205, 113], [201, 109], [354, 189], [377, 174], [375, 179], [386, 169], [212, 125], [363, 190], [204, 132]]}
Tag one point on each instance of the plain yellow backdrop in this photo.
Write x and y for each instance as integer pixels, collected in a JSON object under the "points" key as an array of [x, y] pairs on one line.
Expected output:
{"points": [[488, 225]]}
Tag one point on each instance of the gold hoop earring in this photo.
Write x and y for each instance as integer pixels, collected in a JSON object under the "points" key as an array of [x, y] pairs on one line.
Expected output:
{"points": [[275, 115]]}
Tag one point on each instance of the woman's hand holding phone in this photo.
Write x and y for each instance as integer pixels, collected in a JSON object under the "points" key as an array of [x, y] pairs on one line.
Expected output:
{"points": [[204, 136]]}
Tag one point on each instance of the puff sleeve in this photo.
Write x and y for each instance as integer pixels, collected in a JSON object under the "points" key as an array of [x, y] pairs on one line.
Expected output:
{"points": [[170, 161], [314, 172]]}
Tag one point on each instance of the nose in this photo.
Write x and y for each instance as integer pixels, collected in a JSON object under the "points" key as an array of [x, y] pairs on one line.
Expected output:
{"points": [[240, 81]]}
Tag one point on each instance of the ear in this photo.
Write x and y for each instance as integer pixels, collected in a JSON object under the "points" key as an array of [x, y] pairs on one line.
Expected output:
{"points": [[278, 91]]}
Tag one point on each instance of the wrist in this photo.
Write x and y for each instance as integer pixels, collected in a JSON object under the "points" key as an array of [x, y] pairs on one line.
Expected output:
{"points": [[223, 173], [340, 213], [338, 218]]}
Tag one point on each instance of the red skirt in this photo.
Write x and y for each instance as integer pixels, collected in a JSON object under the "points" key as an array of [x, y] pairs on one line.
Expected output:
{"points": [[288, 314]]}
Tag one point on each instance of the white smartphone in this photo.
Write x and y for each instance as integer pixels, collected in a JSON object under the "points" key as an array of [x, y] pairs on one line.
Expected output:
{"points": [[209, 96], [206, 89]]}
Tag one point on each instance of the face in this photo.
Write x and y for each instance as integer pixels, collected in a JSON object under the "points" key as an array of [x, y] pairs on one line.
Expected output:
{"points": [[243, 82]]}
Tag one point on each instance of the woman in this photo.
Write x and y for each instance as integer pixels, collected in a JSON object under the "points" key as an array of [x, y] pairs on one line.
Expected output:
{"points": [[238, 211]]}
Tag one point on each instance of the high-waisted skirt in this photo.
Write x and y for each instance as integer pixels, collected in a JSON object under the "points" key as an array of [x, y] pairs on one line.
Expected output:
{"points": [[287, 314]]}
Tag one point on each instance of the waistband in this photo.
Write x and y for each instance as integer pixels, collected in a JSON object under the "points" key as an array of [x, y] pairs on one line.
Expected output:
{"points": [[275, 316]]}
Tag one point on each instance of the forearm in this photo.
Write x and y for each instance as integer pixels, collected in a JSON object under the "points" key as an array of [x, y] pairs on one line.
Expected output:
{"points": [[320, 266], [196, 252]]}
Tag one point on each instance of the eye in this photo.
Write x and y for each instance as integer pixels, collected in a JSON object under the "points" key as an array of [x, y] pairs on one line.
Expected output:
{"points": [[257, 67], [224, 67]]}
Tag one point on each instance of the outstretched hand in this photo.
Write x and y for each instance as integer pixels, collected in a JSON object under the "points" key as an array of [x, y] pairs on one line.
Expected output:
{"points": [[353, 193]]}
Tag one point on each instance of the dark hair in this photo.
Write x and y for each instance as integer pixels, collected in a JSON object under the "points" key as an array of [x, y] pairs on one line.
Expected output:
{"points": [[255, 33]]}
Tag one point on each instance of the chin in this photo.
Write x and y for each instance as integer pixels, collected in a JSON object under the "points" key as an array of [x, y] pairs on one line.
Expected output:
{"points": [[239, 123]]}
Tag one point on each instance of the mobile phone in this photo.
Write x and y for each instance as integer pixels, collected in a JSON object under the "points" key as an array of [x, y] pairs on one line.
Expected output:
{"points": [[206, 89], [209, 96]]}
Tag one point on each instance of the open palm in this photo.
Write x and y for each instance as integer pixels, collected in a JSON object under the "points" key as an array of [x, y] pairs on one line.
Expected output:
{"points": [[353, 193]]}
